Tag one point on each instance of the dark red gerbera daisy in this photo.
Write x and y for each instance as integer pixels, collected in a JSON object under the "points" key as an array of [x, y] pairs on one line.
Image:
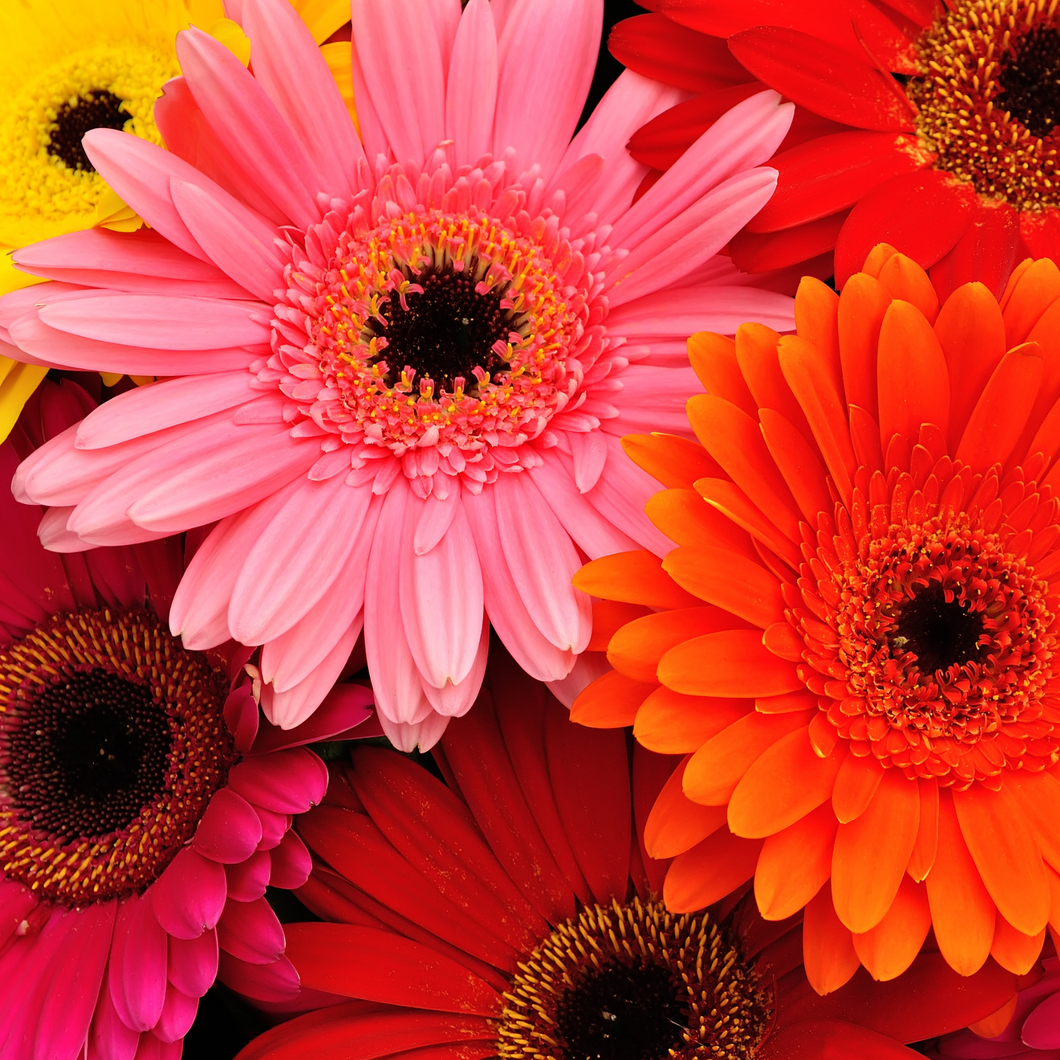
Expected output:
{"points": [[933, 128], [512, 913]]}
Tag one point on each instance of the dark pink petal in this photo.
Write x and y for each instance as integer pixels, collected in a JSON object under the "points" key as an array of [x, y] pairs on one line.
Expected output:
{"points": [[230, 830], [273, 827], [127, 911], [284, 782], [116, 576], [264, 982], [143, 967], [16, 903], [251, 932], [193, 963], [178, 1014], [111, 1038], [242, 717], [1041, 1029], [248, 879], [345, 707], [291, 862], [189, 896]]}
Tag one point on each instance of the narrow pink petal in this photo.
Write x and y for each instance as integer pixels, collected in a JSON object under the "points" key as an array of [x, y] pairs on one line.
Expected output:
{"points": [[243, 116], [28, 961], [193, 963], [435, 518], [471, 95], [539, 102], [403, 70], [264, 982], [739, 140], [229, 831], [648, 391], [373, 135], [453, 700], [248, 879], [408, 736], [288, 781], [589, 453], [189, 896], [111, 1038], [682, 311], [251, 932], [177, 1016], [542, 560], [291, 863], [587, 668], [289, 67], [16, 304], [345, 707], [143, 967]]}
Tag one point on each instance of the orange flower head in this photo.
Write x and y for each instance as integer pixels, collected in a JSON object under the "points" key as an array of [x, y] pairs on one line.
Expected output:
{"points": [[855, 641]]}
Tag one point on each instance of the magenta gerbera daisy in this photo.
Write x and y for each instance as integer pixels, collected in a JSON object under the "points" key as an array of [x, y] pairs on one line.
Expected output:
{"points": [[142, 809], [400, 360]]}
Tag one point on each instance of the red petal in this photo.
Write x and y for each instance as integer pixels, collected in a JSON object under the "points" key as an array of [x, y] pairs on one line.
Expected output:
{"points": [[921, 214], [835, 82], [1041, 232], [777, 250], [986, 252], [830, 1040]]}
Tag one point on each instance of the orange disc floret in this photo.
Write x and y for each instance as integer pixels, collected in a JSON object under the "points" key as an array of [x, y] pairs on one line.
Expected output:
{"points": [[855, 642]]}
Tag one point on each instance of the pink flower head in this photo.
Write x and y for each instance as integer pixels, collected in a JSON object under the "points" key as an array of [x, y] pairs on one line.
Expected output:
{"points": [[142, 812], [399, 360]]}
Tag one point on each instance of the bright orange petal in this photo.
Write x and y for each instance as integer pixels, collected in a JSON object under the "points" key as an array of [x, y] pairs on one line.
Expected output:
{"points": [[872, 851], [890, 947], [610, 702], [687, 519], [962, 912], [608, 618], [798, 463], [927, 835], [671, 460], [794, 864], [732, 663], [855, 786], [729, 580], [713, 358], [1006, 853], [880, 254], [1039, 796], [827, 947], [1014, 951], [911, 376], [1028, 298], [729, 499], [784, 784], [709, 871], [992, 1025], [632, 578], [677, 824], [716, 768], [906, 280], [669, 722], [861, 308], [756, 353], [817, 321]]}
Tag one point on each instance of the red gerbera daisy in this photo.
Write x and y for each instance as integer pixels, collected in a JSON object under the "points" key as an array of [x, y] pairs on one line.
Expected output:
{"points": [[933, 128], [511, 914]]}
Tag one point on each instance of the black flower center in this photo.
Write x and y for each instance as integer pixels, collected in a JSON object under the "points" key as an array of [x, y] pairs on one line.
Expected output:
{"points": [[622, 1012], [446, 333], [938, 631], [91, 751], [1030, 81], [98, 109]]}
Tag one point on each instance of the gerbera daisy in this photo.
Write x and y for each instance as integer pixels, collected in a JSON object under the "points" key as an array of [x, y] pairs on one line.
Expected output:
{"points": [[143, 810], [512, 913], [931, 127], [405, 413], [855, 641]]}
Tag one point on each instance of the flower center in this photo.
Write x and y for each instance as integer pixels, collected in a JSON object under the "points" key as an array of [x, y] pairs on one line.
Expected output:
{"points": [[112, 742], [634, 982], [1030, 81], [941, 633], [98, 109]]}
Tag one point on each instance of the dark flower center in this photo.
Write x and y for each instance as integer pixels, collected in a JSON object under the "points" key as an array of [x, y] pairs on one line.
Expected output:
{"points": [[98, 109], [938, 631], [1030, 81], [622, 1012]]}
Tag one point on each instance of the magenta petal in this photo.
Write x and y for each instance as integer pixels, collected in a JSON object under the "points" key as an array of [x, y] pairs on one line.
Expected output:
{"points": [[284, 782], [143, 967], [248, 879], [189, 896], [242, 717], [178, 1014], [1041, 1029], [111, 1038], [345, 707], [251, 932], [274, 827], [291, 863], [264, 982], [230, 830], [193, 963]]}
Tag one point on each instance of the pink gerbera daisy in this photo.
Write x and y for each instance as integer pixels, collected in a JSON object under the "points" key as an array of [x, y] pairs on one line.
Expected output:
{"points": [[142, 811], [399, 361]]}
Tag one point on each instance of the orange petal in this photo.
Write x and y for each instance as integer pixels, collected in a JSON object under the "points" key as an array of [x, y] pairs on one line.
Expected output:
{"points": [[709, 871], [817, 321], [803, 699], [890, 947], [996, 1022], [608, 618], [811, 381], [687, 519], [905, 279], [855, 785], [861, 308], [713, 358], [962, 912], [632, 578], [1039, 796], [669, 722], [731, 501], [1002, 411], [1014, 951], [637, 647], [972, 335], [782, 640], [784, 784], [827, 947], [716, 768], [1013, 281], [734, 439], [1006, 853], [733, 663], [728, 580], [610, 702], [927, 834], [880, 254], [671, 460], [794, 864], [798, 463], [677, 824], [756, 353], [911, 376], [872, 851], [1028, 298]]}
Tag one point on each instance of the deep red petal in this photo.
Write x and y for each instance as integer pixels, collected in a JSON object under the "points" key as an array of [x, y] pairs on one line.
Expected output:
{"points": [[777, 250], [1041, 232], [986, 252], [922, 214], [831, 1040], [650, 773]]}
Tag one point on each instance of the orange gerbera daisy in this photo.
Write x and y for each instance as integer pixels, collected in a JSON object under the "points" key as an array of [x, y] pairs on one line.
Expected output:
{"points": [[855, 643]]}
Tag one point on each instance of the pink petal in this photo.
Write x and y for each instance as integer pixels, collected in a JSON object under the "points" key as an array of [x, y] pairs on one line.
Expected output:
{"points": [[264, 982], [274, 827], [589, 453], [178, 1014], [190, 895], [16, 902], [251, 932], [143, 967], [345, 707], [193, 963], [373, 136], [291, 863], [229, 831], [681, 312], [408, 736], [1041, 1029], [111, 1038], [285, 781], [289, 67], [248, 880], [471, 95], [649, 391], [587, 668], [453, 700], [434, 519]]}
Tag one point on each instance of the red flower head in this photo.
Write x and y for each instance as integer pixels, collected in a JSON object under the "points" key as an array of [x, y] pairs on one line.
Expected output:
{"points": [[510, 913], [933, 128]]}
